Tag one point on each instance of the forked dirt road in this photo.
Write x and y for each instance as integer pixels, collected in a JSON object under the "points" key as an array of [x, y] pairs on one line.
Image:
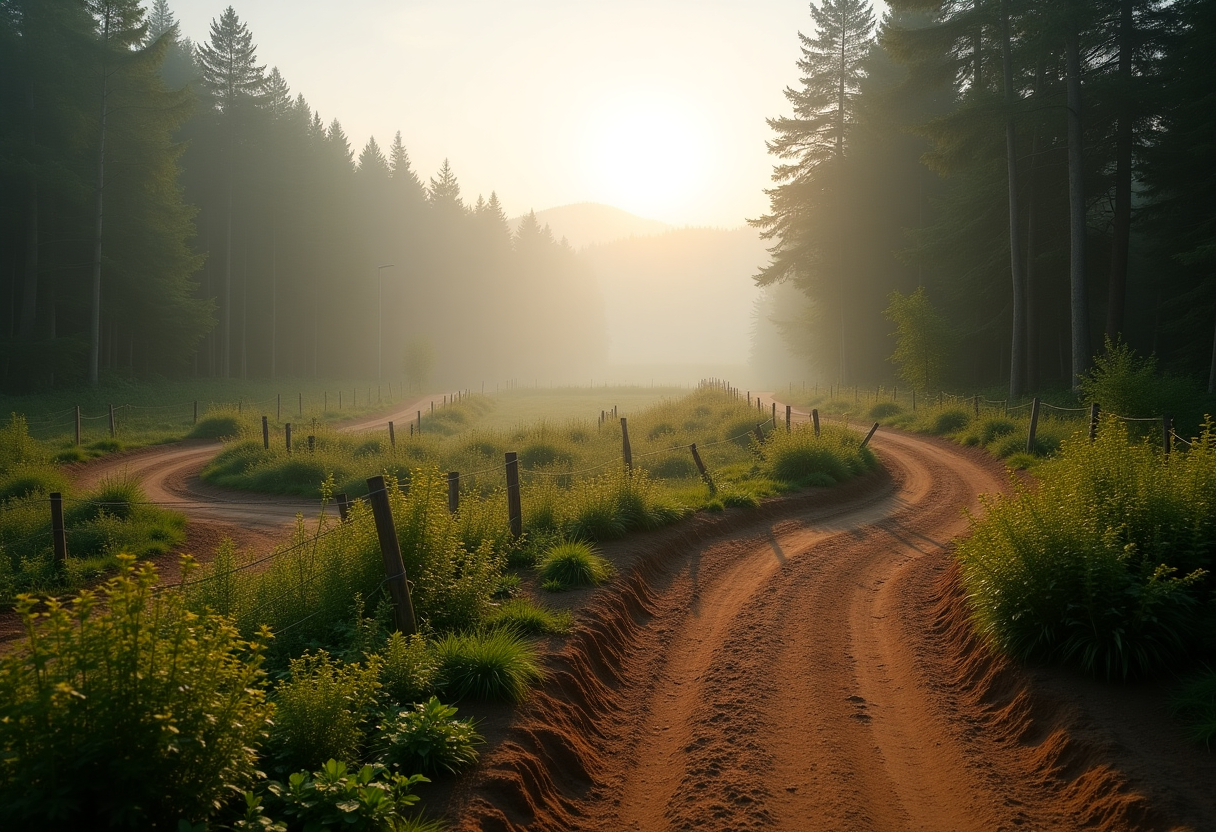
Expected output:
{"points": [[808, 667]]}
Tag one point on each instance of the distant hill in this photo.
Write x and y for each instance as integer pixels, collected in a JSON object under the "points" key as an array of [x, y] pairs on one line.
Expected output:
{"points": [[588, 223]]}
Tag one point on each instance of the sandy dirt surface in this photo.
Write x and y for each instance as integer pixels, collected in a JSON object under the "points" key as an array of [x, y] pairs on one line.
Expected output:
{"points": [[809, 666]]}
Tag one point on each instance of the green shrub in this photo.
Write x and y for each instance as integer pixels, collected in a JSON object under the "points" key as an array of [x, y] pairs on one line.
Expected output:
{"points": [[17, 447], [1105, 567], [220, 424], [799, 457], [544, 455], [524, 616], [124, 710], [407, 668], [115, 496], [574, 563], [31, 479], [368, 800], [427, 739], [884, 410], [491, 665], [1195, 705], [322, 710], [949, 421]]}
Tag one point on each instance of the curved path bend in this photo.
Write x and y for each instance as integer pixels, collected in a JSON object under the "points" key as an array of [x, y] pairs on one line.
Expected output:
{"points": [[807, 666]]}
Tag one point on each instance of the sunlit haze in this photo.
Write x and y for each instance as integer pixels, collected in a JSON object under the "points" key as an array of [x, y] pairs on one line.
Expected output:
{"points": [[656, 108]]}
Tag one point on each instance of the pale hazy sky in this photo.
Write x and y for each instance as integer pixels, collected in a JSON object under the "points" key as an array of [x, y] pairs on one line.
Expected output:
{"points": [[657, 107]]}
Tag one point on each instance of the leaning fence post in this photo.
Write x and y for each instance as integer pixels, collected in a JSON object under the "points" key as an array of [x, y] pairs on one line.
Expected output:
{"points": [[1034, 424], [787, 418], [1093, 421], [514, 509], [453, 491], [869, 435], [58, 536], [392, 436], [815, 419], [343, 505], [1167, 428], [287, 432], [390, 551], [265, 433], [696, 458], [626, 450], [78, 425]]}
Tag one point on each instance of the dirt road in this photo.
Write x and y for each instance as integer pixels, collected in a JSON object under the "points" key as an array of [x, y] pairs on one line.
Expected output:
{"points": [[809, 667]]}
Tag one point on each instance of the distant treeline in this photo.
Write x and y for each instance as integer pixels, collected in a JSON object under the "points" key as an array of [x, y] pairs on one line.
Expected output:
{"points": [[1044, 169], [169, 208]]}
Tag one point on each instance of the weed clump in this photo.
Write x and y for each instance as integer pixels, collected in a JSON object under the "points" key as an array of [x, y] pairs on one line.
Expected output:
{"points": [[494, 665], [800, 458], [573, 563]]}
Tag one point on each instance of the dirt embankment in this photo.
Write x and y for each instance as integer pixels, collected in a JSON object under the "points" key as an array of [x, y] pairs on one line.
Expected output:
{"points": [[809, 667]]}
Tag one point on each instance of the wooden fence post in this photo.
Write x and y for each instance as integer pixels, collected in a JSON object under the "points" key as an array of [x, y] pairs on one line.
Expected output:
{"points": [[453, 491], [788, 410], [815, 419], [77, 425], [58, 535], [420, 423], [1167, 429], [392, 436], [196, 411], [913, 399], [112, 431], [390, 551], [626, 451], [759, 434], [1034, 424], [696, 458], [869, 435], [287, 432], [1093, 421], [343, 505], [265, 433], [774, 416], [514, 508]]}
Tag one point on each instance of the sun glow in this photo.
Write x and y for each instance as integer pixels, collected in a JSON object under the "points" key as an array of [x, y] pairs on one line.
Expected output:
{"points": [[647, 158]]}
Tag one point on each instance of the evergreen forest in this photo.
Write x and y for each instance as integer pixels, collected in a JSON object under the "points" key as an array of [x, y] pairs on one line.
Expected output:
{"points": [[171, 208], [1040, 171]]}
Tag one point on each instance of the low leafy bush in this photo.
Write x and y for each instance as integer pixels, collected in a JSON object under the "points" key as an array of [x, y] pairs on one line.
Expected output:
{"points": [[407, 668], [427, 739], [492, 665], [124, 710], [370, 799], [573, 563], [29, 480], [220, 424], [522, 615], [885, 410], [948, 421], [321, 710], [1108, 564]]}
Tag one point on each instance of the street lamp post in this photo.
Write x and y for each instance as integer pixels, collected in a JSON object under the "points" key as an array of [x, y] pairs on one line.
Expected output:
{"points": [[380, 323]]}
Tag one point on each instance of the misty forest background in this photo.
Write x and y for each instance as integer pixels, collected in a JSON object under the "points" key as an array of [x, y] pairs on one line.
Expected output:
{"points": [[1041, 172]]}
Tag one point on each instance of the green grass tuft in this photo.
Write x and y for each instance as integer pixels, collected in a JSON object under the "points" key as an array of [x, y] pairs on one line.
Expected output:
{"points": [[574, 563], [494, 665]]}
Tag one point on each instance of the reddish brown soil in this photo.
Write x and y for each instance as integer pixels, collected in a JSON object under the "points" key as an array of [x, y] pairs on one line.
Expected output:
{"points": [[809, 666]]}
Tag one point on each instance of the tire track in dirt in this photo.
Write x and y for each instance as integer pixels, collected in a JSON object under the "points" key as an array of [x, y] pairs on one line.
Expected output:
{"points": [[806, 666]]}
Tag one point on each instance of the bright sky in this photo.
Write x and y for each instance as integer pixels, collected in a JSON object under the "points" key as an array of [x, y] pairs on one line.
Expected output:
{"points": [[654, 106]]}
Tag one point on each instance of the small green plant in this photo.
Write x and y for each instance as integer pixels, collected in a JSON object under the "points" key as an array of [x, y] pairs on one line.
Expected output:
{"points": [[524, 616], [122, 709], [322, 710], [370, 799], [220, 424], [492, 665], [924, 339], [574, 563], [800, 458], [427, 738], [407, 668]]}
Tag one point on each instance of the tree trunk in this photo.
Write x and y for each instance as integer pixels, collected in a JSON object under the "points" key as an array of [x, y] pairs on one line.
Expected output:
{"points": [[1018, 341], [1076, 211], [99, 205], [1121, 240]]}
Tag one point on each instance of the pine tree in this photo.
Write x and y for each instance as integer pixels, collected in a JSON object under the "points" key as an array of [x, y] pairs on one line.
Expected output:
{"points": [[809, 246], [444, 191]]}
